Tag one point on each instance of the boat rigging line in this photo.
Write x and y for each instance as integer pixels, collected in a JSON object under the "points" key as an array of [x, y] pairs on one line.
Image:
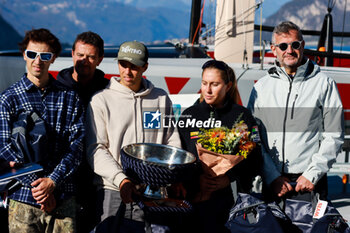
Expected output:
{"points": [[259, 5], [256, 6], [342, 38]]}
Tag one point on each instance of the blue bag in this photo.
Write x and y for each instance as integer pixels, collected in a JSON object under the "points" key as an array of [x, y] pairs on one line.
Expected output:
{"points": [[301, 214], [29, 137], [331, 223], [252, 215]]}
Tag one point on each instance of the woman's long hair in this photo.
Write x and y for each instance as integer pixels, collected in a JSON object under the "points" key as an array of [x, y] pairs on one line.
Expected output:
{"points": [[228, 75]]}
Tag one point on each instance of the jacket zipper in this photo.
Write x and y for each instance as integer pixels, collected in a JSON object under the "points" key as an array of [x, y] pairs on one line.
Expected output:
{"points": [[292, 114], [284, 125], [211, 114]]}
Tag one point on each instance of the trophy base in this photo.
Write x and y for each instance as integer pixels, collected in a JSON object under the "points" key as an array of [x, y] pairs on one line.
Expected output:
{"points": [[155, 192], [167, 202]]}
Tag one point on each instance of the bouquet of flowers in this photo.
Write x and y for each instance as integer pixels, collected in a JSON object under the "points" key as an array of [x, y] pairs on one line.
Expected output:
{"points": [[219, 149]]}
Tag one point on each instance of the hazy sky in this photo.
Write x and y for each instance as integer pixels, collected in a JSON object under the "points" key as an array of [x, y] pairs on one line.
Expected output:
{"points": [[270, 6]]}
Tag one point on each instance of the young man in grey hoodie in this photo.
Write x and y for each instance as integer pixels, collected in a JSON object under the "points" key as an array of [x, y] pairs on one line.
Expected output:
{"points": [[115, 119]]}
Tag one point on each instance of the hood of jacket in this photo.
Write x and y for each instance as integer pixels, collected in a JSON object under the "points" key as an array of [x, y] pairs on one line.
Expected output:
{"points": [[115, 84], [308, 69], [65, 80]]}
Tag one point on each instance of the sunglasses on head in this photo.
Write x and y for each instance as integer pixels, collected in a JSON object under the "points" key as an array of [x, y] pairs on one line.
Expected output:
{"points": [[215, 64], [294, 44], [44, 56]]}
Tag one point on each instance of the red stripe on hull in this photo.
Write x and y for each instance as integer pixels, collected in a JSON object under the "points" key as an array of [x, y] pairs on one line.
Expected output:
{"points": [[175, 84]]}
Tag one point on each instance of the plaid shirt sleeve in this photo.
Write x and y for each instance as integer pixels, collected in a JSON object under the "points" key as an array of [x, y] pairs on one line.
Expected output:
{"points": [[75, 126], [7, 151]]}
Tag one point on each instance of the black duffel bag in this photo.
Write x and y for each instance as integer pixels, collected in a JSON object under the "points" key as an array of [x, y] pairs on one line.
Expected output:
{"points": [[253, 215], [301, 214]]}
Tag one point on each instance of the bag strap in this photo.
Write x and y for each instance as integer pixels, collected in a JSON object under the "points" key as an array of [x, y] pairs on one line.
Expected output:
{"points": [[248, 206], [315, 197], [34, 116], [234, 190]]}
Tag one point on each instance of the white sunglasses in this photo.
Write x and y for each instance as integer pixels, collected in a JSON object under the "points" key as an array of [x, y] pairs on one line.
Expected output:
{"points": [[44, 56]]}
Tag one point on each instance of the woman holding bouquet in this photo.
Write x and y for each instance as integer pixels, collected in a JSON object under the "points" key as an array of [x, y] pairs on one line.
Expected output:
{"points": [[217, 117]]}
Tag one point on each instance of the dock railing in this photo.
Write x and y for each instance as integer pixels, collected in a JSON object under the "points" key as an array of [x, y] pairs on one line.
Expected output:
{"points": [[343, 168]]}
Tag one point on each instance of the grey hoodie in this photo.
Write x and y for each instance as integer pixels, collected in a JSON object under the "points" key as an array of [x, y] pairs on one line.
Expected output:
{"points": [[301, 121], [115, 119]]}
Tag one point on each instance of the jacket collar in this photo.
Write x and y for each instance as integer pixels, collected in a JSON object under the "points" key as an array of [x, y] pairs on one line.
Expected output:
{"points": [[28, 85], [65, 77], [116, 85], [225, 108], [307, 70]]}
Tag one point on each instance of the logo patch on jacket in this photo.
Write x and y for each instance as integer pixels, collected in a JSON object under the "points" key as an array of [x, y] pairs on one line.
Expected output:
{"points": [[194, 134], [255, 134], [152, 120]]}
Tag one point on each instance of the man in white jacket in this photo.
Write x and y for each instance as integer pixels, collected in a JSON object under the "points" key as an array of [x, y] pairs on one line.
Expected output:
{"points": [[115, 119], [301, 116]]}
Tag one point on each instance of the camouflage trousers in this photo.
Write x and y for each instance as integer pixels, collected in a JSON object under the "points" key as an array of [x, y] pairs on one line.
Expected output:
{"points": [[30, 219]]}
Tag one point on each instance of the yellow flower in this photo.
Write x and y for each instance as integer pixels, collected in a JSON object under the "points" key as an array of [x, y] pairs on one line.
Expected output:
{"points": [[235, 141]]}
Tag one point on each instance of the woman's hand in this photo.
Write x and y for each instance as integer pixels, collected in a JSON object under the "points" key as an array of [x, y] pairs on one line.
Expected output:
{"points": [[281, 186], [209, 184]]}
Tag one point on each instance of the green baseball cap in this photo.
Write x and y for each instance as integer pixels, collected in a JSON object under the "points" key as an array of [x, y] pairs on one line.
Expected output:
{"points": [[133, 52]]}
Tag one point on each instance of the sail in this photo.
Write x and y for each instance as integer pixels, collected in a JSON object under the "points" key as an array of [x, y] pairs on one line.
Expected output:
{"points": [[234, 36]]}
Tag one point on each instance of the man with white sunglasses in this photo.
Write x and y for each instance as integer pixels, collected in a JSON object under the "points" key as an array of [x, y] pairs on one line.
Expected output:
{"points": [[45, 201], [301, 119]]}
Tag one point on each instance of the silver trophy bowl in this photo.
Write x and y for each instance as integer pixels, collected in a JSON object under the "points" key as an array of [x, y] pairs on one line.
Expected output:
{"points": [[157, 166]]}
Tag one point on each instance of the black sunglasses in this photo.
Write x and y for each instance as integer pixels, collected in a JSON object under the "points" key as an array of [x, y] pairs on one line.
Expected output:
{"points": [[44, 56], [284, 46], [215, 64]]}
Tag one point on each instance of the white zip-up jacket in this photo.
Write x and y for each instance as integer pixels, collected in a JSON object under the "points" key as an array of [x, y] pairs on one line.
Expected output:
{"points": [[301, 121], [115, 118]]}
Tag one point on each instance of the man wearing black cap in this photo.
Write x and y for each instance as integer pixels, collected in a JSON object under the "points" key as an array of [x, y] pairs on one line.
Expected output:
{"points": [[116, 118]]}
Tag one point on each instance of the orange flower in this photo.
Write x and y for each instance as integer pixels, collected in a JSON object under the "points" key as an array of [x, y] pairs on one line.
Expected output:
{"points": [[247, 146], [214, 134], [222, 136]]}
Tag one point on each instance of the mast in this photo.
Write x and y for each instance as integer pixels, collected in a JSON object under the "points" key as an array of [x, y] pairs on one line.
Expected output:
{"points": [[325, 43], [195, 50], [195, 15]]}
